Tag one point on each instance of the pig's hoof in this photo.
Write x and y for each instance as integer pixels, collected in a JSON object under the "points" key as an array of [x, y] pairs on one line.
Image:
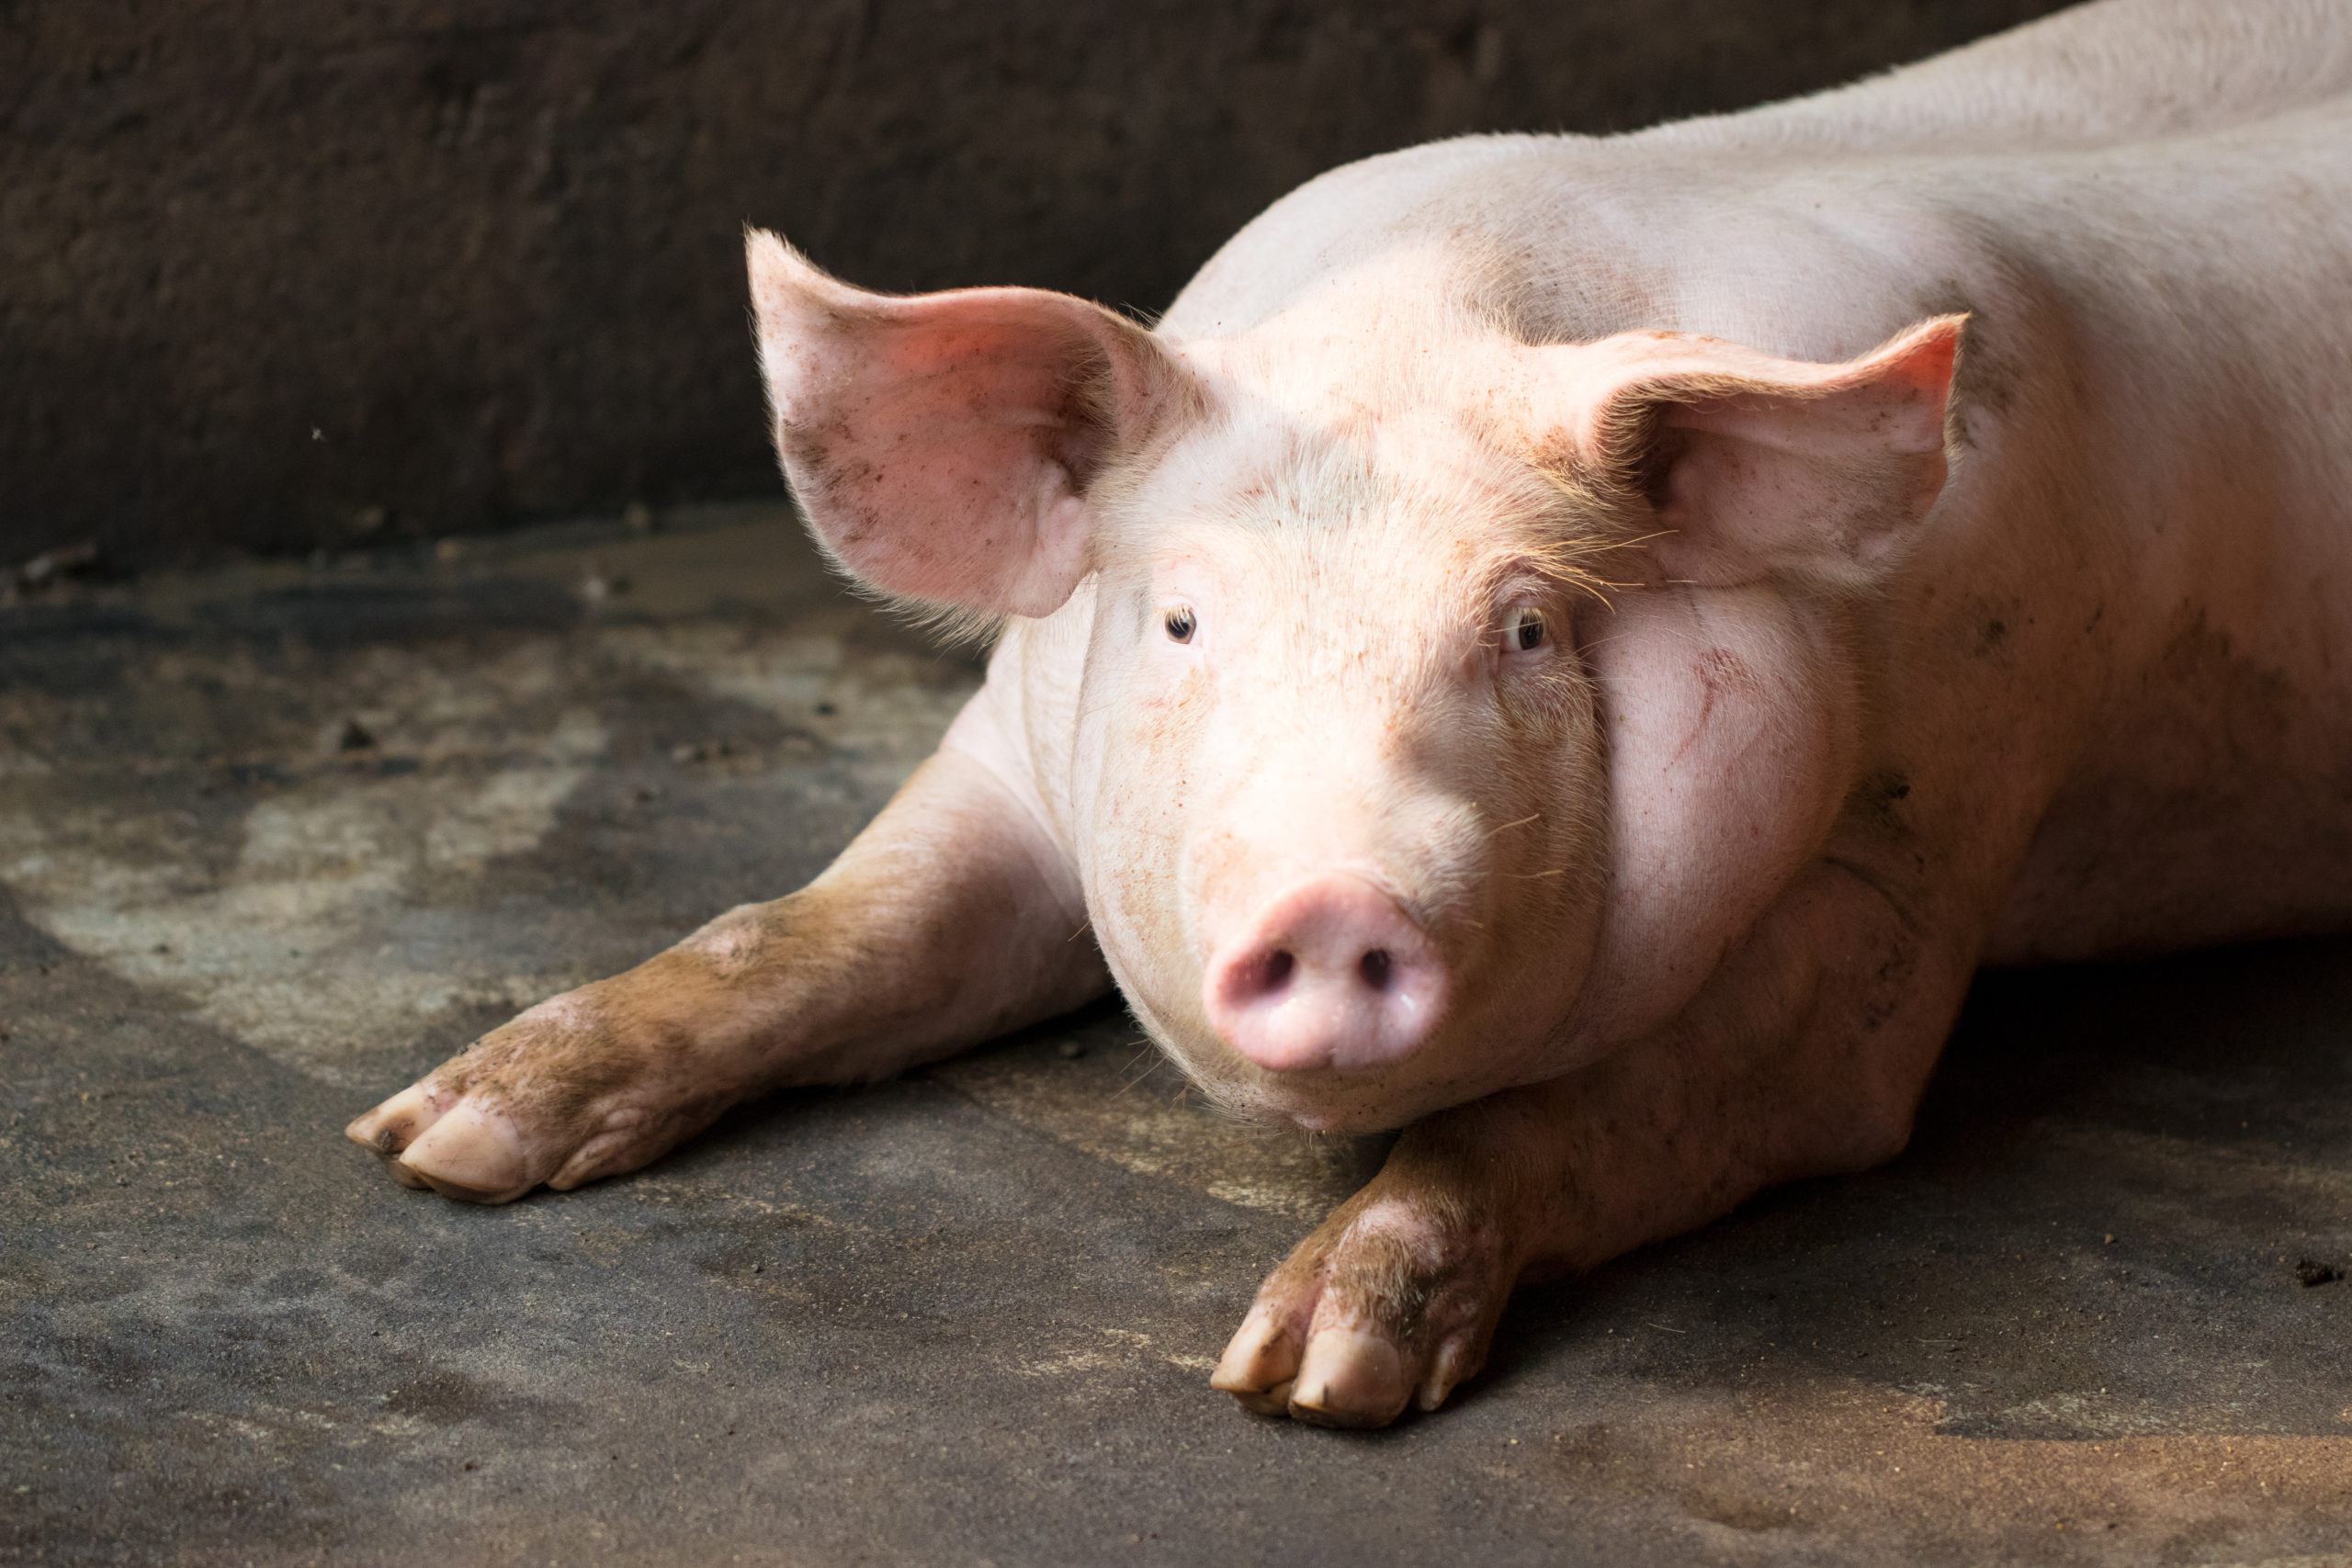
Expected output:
{"points": [[447, 1143], [548, 1099], [1383, 1307]]}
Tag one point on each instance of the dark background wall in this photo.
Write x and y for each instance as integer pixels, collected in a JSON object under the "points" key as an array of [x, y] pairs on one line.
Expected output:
{"points": [[281, 274]]}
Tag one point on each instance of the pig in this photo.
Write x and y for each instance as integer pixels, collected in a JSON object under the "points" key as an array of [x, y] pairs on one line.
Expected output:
{"points": [[1574, 648]]}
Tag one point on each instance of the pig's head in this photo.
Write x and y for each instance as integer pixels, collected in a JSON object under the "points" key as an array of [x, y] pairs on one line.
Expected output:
{"points": [[1449, 702]]}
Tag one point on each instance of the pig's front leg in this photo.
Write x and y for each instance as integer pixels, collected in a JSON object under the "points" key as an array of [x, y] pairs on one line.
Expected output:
{"points": [[1806, 1054], [949, 919], [1393, 1299]]}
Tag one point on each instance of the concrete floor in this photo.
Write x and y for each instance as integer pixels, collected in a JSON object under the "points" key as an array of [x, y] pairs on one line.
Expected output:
{"points": [[274, 839]]}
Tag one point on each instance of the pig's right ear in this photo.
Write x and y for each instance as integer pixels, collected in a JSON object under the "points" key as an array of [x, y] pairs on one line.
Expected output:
{"points": [[943, 446]]}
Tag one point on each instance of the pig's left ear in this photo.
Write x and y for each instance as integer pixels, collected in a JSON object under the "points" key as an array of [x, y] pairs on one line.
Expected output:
{"points": [[1742, 465], [943, 446]]}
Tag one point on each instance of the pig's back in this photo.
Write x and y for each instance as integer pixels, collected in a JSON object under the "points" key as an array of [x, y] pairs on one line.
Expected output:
{"points": [[2095, 75], [2100, 75]]}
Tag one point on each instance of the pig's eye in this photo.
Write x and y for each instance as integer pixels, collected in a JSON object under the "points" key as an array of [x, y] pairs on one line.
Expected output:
{"points": [[1179, 624], [1523, 628]]}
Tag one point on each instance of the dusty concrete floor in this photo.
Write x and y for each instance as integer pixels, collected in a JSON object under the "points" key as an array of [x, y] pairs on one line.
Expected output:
{"points": [[273, 841]]}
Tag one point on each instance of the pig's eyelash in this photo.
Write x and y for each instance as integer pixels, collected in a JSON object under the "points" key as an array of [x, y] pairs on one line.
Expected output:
{"points": [[1525, 628], [1181, 623]]}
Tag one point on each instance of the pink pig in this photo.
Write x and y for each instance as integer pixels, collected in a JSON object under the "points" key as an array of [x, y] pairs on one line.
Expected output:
{"points": [[1574, 648]]}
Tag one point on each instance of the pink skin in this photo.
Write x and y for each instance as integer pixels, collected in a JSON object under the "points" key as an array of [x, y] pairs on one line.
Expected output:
{"points": [[1375, 906], [1424, 770]]}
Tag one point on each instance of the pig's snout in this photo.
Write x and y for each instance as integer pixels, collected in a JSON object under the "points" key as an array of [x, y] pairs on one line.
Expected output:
{"points": [[1330, 973]]}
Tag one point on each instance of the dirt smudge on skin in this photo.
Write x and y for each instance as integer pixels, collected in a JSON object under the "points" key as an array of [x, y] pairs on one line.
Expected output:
{"points": [[2211, 757]]}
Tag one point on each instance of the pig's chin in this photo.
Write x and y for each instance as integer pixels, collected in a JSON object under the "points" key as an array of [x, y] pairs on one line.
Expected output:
{"points": [[1322, 1099], [1340, 1103]]}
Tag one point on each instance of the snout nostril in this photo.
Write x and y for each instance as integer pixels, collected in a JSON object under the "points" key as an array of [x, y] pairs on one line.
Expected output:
{"points": [[1330, 974]]}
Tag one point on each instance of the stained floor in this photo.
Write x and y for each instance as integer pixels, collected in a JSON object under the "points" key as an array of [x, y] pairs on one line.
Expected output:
{"points": [[275, 839]]}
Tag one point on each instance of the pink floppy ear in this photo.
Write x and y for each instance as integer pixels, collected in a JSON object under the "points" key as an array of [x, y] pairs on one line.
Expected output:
{"points": [[941, 444], [1753, 465]]}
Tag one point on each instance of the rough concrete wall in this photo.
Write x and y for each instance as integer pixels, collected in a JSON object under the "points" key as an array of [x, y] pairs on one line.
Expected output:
{"points": [[278, 274]]}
